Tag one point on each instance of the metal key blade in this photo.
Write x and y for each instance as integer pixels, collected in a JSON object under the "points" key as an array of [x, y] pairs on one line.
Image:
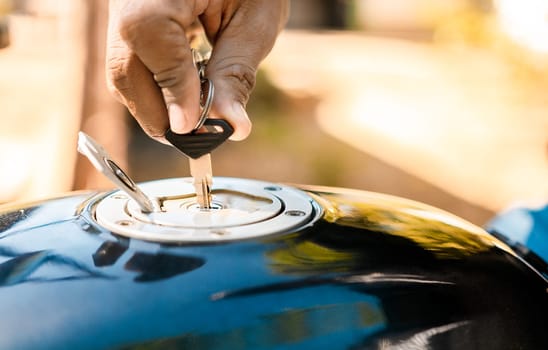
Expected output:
{"points": [[200, 169]]}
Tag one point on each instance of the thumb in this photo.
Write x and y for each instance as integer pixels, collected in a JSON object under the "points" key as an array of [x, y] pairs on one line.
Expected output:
{"points": [[231, 95], [238, 49]]}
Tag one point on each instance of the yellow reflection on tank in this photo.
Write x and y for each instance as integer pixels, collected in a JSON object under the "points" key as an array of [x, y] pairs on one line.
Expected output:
{"points": [[308, 256], [441, 233]]}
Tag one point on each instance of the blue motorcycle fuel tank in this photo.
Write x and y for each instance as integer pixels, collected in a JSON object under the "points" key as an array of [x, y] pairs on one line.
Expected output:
{"points": [[270, 266]]}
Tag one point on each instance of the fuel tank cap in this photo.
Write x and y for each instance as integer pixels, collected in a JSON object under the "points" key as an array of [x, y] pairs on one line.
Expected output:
{"points": [[241, 209]]}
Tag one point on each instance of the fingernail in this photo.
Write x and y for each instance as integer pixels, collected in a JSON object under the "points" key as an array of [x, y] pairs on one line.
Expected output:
{"points": [[240, 112], [177, 119]]}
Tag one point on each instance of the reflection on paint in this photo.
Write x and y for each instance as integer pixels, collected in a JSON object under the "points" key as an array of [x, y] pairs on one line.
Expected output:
{"points": [[304, 327]]}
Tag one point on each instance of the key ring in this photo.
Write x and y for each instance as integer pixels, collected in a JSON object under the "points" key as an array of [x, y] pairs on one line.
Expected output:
{"points": [[206, 88], [206, 85]]}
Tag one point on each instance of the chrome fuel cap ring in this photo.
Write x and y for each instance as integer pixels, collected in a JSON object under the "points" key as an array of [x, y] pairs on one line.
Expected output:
{"points": [[242, 209]]}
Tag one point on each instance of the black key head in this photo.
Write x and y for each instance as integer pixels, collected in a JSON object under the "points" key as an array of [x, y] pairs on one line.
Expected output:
{"points": [[202, 141]]}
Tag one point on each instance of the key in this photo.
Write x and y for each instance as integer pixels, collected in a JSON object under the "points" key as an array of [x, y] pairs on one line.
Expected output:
{"points": [[102, 162], [200, 170], [197, 146], [207, 135]]}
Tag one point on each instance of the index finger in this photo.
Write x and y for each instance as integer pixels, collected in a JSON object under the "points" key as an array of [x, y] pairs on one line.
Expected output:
{"points": [[155, 33]]}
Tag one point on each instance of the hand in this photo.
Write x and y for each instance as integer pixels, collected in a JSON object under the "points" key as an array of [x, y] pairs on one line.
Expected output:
{"points": [[150, 67]]}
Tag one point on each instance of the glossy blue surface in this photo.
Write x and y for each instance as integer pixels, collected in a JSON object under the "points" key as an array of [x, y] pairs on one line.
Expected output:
{"points": [[374, 271]]}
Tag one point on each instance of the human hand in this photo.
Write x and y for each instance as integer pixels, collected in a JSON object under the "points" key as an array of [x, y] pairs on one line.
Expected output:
{"points": [[150, 67]]}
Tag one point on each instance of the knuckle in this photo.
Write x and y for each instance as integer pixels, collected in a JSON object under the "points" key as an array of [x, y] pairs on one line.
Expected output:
{"points": [[136, 21], [117, 77], [126, 25], [131, 23], [135, 26], [244, 74], [170, 77], [115, 67], [241, 76]]}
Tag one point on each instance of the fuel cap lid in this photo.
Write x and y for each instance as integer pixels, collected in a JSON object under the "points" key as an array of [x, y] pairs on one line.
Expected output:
{"points": [[241, 209]]}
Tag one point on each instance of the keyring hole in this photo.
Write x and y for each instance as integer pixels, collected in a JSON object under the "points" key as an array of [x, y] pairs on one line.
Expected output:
{"points": [[209, 129]]}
